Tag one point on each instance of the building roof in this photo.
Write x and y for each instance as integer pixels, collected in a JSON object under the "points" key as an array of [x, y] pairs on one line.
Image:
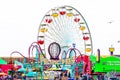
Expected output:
{"points": [[2, 61]]}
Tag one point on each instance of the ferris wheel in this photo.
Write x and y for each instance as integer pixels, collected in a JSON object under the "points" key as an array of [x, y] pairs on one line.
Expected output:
{"points": [[65, 26]]}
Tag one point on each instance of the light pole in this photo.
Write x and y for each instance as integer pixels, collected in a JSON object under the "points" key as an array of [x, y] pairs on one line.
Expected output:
{"points": [[111, 50]]}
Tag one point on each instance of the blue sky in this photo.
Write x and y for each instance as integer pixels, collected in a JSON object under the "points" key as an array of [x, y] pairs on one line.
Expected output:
{"points": [[20, 20]]}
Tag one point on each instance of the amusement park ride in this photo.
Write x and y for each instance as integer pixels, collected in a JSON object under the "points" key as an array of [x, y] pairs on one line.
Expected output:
{"points": [[63, 50]]}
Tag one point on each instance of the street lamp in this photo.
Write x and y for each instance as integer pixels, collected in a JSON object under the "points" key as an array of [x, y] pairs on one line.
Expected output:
{"points": [[111, 50]]}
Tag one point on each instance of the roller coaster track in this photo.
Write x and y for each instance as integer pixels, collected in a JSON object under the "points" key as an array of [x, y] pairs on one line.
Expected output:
{"points": [[32, 46]]}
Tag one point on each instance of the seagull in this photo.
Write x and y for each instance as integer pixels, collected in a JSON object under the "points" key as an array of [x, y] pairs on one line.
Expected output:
{"points": [[111, 21], [118, 41]]}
